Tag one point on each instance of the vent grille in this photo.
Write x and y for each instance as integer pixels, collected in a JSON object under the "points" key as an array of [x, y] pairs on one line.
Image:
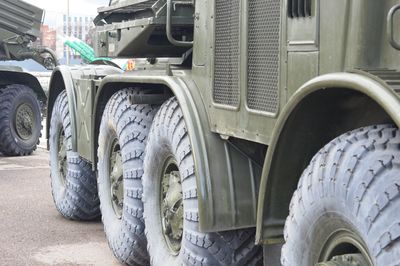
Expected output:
{"points": [[226, 59], [299, 8], [263, 55]]}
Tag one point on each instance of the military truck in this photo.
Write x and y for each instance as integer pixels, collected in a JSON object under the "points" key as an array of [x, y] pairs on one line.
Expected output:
{"points": [[244, 125], [22, 98]]}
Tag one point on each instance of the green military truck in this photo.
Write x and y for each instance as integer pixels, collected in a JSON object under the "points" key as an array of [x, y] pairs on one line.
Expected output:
{"points": [[22, 98], [244, 125]]}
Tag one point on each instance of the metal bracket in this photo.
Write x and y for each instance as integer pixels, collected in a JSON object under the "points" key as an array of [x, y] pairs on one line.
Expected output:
{"points": [[171, 39], [157, 99], [390, 27]]}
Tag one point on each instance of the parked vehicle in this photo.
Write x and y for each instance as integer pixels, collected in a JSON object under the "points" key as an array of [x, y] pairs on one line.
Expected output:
{"points": [[244, 125], [22, 98]]}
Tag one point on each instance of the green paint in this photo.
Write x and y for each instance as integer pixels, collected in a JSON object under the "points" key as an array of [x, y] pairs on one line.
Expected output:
{"points": [[265, 90]]}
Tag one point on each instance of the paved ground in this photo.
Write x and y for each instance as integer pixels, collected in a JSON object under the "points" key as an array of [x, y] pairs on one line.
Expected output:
{"points": [[31, 230]]}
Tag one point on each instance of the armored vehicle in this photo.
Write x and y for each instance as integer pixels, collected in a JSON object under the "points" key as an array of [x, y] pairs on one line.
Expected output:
{"points": [[22, 98], [243, 126]]}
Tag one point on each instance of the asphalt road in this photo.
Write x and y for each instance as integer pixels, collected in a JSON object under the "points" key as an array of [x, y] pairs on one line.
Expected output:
{"points": [[31, 230]]}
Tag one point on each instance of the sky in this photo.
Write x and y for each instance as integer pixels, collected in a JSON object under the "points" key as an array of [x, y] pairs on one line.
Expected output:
{"points": [[56, 8]]}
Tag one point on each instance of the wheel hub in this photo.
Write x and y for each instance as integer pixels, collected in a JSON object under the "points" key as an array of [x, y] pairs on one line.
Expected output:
{"points": [[62, 157], [345, 260], [172, 207], [344, 248], [117, 179], [24, 121]]}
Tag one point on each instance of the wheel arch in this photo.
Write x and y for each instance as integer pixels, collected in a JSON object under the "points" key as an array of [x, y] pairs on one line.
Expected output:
{"points": [[68, 78], [108, 87], [60, 80], [8, 77], [319, 111], [195, 116]]}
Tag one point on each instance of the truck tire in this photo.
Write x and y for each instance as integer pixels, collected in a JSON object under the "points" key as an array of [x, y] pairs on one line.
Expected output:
{"points": [[346, 207], [122, 139], [73, 183], [20, 120], [171, 205]]}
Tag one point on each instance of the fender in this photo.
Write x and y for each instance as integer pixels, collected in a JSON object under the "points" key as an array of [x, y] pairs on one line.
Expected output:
{"points": [[66, 78], [272, 196], [23, 78], [191, 114], [219, 206], [60, 80]]}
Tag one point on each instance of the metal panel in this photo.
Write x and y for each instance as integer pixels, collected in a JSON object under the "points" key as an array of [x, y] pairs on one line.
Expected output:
{"points": [[263, 55], [20, 17], [143, 35], [299, 8], [128, 6], [226, 60], [85, 98]]}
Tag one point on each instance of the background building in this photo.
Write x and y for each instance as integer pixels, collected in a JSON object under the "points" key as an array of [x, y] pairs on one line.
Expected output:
{"points": [[48, 37], [73, 26]]}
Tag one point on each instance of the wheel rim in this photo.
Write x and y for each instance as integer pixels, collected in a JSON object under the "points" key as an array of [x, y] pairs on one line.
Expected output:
{"points": [[25, 121], [62, 156], [344, 248], [171, 202], [116, 179]]}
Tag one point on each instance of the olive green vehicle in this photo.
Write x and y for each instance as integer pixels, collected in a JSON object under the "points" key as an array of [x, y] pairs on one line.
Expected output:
{"points": [[22, 98], [244, 125]]}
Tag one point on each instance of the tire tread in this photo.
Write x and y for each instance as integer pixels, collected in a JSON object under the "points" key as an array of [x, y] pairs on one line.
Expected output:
{"points": [[80, 201], [131, 124], [360, 171], [224, 248], [8, 144]]}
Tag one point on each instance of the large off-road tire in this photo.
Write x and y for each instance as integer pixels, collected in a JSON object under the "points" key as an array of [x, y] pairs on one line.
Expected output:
{"points": [[73, 183], [20, 120], [122, 141], [347, 203], [171, 205]]}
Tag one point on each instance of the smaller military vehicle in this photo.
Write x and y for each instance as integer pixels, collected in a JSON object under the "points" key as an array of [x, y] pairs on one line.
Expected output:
{"points": [[22, 98]]}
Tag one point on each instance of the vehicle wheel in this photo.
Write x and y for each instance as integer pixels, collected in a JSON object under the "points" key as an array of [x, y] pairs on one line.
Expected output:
{"points": [[73, 183], [122, 140], [171, 205], [20, 120], [346, 208]]}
